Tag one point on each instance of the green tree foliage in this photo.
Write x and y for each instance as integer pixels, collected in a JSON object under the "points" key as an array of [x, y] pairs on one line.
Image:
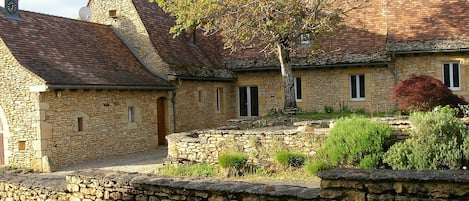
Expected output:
{"points": [[353, 142], [438, 141], [271, 26], [423, 93]]}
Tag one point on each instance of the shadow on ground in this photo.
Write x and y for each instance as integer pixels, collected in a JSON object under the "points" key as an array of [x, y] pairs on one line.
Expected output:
{"points": [[142, 162]]}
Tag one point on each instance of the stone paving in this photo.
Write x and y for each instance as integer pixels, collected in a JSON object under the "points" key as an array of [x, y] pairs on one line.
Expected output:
{"points": [[142, 162]]}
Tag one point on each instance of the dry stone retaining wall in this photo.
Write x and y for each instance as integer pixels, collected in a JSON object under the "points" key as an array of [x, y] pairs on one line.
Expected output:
{"points": [[384, 185], [337, 184], [205, 146]]}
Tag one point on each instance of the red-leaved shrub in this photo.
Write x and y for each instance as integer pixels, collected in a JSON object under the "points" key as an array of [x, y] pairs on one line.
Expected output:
{"points": [[423, 93]]}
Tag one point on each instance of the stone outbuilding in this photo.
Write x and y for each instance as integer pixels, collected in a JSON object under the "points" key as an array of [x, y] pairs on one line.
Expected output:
{"points": [[72, 91]]}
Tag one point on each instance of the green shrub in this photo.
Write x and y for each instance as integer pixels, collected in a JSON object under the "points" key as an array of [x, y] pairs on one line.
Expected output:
{"points": [[328, 109], [290, 159], [353, 142], [235, 163], [314, 166], [437, 141]]}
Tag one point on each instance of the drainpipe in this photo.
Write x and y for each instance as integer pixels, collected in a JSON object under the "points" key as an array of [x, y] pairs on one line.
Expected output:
{"points": [[394, 72], [176, 81], [173, 101]]}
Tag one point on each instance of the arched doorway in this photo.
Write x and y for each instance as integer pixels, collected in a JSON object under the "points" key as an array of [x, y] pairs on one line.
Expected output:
{"points": [[161, 117], [4, 136]]}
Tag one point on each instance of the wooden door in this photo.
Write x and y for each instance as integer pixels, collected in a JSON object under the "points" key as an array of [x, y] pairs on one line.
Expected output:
{"points": [[161, 116]]}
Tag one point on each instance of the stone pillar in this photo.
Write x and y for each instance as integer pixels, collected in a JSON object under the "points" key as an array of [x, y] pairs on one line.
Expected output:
{"points": [[40, 160]]}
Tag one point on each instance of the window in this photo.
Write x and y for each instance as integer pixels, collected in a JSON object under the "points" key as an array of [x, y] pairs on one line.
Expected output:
{"points": [[248, 101], [451, 75], [305, 39], [80, 124], [357, 87], [131, 114], [219, 99], [297, 85]]}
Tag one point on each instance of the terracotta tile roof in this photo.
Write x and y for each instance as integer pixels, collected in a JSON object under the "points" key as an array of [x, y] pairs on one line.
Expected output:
{"points": [[203, 58], [383, 27], [70, 52]]}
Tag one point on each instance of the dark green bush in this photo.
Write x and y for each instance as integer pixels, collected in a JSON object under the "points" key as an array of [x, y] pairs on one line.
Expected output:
{"points": [[353, 142], [437, 141], [290, 159]]}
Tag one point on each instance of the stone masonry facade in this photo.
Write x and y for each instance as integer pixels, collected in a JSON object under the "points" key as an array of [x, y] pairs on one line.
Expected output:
{"points": [[128, 24], [105, 129], [19, 111], [196, 104], [324, 87]]}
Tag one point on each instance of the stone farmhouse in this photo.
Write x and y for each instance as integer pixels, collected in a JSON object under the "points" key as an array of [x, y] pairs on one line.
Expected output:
{"points": [[74, 90]]}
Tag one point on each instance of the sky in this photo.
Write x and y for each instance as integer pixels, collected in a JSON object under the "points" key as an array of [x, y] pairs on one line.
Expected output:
{"points": [[63, 8]]}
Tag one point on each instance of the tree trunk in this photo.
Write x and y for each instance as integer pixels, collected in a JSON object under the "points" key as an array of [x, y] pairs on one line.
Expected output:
{"points": [[287, 77]]}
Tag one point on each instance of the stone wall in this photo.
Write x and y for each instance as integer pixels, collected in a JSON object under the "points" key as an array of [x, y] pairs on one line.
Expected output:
{"points": [[196, 104], [205, 146], [432, 64], [337, 184], [106, 128], [19, 110], [324, 87], [128, 24], [107, 185], [383, 185]]}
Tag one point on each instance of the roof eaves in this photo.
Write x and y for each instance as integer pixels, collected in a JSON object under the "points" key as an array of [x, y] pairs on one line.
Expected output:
{"points": [[341, 65], [398, 52], [205, 78], [111, 87]]}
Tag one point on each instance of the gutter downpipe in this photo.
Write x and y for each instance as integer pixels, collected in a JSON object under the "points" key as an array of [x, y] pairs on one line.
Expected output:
{"points": [[394, 72], [173, 101]]}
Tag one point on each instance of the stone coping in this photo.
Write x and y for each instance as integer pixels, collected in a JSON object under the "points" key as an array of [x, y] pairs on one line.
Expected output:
{"points": [[454, 176], [202, 184]]}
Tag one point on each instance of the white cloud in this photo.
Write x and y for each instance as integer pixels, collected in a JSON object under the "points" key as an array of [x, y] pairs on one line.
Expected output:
{"points": [[65, 8]]}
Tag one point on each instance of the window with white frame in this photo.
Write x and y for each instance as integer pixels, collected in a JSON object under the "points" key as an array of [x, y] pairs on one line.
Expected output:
{"points": [[297, 85], [452, 75], [305, 39], [357, 87]]}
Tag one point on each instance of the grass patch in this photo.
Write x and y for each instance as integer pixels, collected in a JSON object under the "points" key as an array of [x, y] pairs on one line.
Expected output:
{"points": [[339, 114], [196, 170], [257, 174]]}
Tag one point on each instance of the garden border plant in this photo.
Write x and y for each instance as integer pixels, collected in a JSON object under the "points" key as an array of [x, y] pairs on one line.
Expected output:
{"points": [[353, 142], [438, 141]]}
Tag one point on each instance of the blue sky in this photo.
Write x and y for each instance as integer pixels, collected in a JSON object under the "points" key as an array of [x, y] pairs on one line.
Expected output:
{"points": [[64, 8]]}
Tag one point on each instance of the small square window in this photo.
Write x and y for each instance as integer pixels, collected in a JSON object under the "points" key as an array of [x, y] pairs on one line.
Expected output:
{"points": [[305, 39], [131, 114], [22, 145], [112, 13]]}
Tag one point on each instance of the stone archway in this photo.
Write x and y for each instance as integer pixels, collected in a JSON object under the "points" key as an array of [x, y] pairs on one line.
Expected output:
{"points": [[5, 153]]}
